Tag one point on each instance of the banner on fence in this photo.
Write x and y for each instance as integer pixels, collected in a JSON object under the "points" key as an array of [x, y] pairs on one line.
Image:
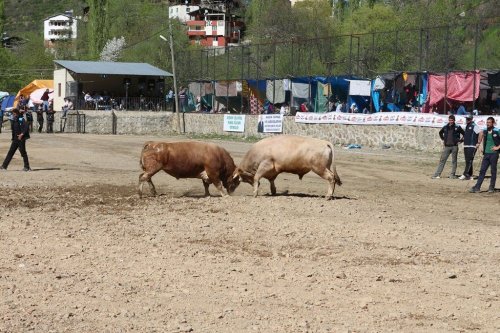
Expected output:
{"points": [[383, 118], [270, 123], [234, 123]]}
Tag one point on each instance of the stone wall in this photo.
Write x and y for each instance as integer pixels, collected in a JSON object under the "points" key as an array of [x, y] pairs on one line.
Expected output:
{"points": [[400, 137], [135, 122]]}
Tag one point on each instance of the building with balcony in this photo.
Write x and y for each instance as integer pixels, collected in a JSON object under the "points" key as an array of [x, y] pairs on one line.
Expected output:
{"points": [[212, 28], [181, 12], [61, 27]]}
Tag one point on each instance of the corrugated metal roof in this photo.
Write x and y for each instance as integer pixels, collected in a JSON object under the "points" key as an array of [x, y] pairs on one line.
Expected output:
{"points": [[111, 68]]}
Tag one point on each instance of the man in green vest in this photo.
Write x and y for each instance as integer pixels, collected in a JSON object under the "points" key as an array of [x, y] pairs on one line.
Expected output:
{"points": [[489, 143]]}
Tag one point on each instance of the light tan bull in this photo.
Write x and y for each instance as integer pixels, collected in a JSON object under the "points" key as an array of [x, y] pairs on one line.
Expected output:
{"points": [[287, 153]]}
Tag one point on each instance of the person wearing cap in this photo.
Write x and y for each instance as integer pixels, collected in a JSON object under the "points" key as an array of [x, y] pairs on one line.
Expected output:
{"points": [[470, 141], [20, 134], [489, 144], [451, 134]]}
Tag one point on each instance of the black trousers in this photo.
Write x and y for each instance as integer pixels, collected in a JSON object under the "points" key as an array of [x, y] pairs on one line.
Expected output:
{"points": [[469, 160], [489, 160], [50, 127], [17, 144], [40, 126]]}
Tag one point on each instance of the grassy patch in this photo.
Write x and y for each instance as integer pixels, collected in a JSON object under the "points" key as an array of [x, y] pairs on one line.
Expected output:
{"points": [[225, 137]]}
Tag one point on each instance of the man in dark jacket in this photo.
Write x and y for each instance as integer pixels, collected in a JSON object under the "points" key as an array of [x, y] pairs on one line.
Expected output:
{"points": [[470, 141], [20, 134], [452, 135], [489, 144]]}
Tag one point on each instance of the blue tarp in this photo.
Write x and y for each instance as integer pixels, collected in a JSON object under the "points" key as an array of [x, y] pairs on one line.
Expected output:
{"points": [[8, 102]]}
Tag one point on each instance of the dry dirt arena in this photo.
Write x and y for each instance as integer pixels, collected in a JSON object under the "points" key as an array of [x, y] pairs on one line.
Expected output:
{"points": [[395, 252]]}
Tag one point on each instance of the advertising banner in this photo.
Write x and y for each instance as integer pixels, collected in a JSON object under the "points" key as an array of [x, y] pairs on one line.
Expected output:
{"points": [[384, 118], [270, 123], [234, 123]]}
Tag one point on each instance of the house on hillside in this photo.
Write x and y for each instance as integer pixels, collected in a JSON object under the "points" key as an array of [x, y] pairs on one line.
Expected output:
{"points": [[181, 12], [59, 28], [212, 28]]}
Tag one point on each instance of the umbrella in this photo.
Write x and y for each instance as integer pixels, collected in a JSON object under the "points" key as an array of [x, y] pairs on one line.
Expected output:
{"points": [[37, 94]]}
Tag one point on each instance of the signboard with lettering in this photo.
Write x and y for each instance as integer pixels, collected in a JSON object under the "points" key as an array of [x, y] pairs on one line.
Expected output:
{"points": [[234, 123], [270, 123]]}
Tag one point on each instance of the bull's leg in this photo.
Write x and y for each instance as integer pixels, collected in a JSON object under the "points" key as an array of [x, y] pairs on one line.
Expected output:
{"points": [[264, 168], [214, 178], [152, 187], [273, 186], [146, 177], [206, 185], [206, 182], [218, 185], [329, 176]]}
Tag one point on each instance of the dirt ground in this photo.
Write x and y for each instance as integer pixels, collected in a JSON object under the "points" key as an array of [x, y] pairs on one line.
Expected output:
{"points": [[396, 251]]}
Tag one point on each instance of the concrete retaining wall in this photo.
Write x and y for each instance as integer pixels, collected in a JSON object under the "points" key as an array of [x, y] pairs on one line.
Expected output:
{"points": [[133, 122]]}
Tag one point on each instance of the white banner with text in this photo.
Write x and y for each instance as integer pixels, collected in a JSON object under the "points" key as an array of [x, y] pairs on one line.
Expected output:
{"points": [[384, 118]]}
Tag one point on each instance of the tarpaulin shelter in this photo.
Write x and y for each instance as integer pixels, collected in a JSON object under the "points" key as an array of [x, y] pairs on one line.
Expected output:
{"points": [[453, 87], [7, 102], [34, 85]]}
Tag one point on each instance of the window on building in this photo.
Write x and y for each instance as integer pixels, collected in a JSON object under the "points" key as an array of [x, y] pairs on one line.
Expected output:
{"points": [[59, 90]]}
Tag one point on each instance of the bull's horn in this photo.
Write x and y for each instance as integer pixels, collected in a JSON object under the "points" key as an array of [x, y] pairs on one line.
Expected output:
{"points": [[236, 175]]}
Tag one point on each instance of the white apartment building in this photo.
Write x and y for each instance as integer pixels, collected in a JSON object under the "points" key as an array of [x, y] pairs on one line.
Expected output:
{"points": [[59, 27]]}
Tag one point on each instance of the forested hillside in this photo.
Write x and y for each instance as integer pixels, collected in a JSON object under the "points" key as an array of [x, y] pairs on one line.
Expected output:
{"points": [[140, 23]]}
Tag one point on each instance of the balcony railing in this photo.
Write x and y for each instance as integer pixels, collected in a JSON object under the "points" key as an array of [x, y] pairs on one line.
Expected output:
{"points": [[123, 103]]}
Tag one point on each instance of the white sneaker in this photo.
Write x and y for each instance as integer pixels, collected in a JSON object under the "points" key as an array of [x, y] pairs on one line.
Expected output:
{"points": [[462, 177], [435, 177]]}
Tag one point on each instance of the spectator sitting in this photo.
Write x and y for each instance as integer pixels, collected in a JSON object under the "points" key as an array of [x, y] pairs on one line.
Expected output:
{"points": [[461, 110]]}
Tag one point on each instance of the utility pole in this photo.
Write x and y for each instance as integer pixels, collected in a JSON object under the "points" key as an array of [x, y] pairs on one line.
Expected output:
{"points": [[176, 94]]}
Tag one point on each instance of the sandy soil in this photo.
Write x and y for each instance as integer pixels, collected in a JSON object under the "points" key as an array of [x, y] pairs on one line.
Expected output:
{"points": [[396, 251]]}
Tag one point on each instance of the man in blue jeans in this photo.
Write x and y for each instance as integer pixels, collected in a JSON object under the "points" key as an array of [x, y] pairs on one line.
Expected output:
{"points": [[489, 143], [452, 135]]}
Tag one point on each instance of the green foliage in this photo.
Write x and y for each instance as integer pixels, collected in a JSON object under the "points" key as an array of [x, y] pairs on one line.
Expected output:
{"points": [[2, 18], [98, 27]]}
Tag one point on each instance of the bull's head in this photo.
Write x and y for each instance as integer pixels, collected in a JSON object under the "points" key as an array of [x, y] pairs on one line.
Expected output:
{"points": [[233, 182]]}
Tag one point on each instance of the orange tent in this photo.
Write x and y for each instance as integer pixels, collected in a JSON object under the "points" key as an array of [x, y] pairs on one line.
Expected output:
{"points": [[36, 84]]}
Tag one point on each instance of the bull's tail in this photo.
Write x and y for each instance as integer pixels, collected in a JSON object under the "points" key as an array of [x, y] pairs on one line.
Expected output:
{"points": [[333, 167]]}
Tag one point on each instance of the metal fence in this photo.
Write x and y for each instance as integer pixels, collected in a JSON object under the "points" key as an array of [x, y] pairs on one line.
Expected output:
{"points": [[126, 103], [433, 49]]}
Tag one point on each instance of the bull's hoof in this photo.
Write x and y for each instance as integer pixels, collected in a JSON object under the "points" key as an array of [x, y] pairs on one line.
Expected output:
{"points": [[328, 198]]}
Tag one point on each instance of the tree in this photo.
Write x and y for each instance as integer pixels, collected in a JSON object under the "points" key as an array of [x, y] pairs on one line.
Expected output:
{"points": [[113, 49], [98, 26]]}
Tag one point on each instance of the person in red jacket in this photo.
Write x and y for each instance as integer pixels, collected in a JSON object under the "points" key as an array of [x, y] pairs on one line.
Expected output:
{"points": [[45, 99]]}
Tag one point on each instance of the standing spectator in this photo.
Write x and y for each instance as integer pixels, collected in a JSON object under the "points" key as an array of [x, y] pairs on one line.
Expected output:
{"points": [[29, 119], [451, 134], [170, 96], [39, 119], [20, 134], [489, 144], [470, 140], [45, 100], [50, 120], [183, 99], [65, 108]]}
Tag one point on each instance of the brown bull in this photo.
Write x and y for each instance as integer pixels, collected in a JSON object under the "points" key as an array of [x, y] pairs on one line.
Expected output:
{"points": [[287, 153], [189, 159]]}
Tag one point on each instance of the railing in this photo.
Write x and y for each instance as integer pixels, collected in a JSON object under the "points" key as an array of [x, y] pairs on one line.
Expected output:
{"points": [[127, 103]]}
